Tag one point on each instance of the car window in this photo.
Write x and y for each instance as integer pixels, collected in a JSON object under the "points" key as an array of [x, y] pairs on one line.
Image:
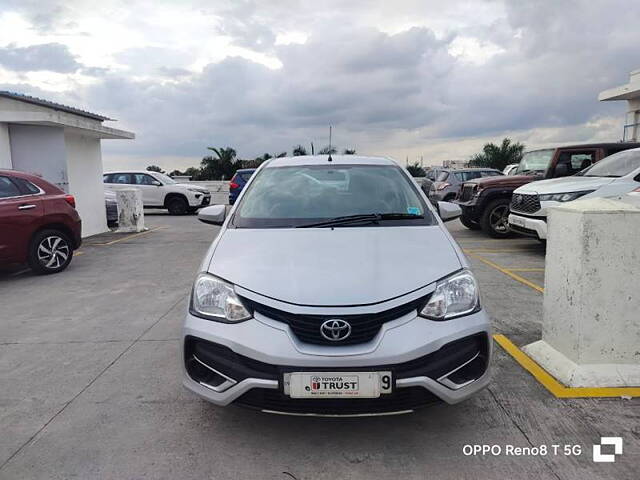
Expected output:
{"points": [[442, 176], [616, 165], [107, 178], [292, 196], [576, 161], [8, 188], [122, 178], [490, 173], [143, 179], [26, 186], [245, 176]]}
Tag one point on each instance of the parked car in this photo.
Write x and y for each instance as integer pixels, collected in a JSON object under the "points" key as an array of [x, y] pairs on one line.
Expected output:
{"points": [[448, 184], [485, 201], [39, 224], [319, 300], [160, 190], [111, 206], [237, 183], [510, 169], [431, 173], [615, 175]]}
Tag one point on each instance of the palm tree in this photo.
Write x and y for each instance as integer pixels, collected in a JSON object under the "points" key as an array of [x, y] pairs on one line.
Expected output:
{"points": [[328, 151], [299, 151], [221, 168], [494, 156], [281, 154]]}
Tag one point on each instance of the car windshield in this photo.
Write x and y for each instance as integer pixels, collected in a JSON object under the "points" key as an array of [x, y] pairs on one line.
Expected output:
{"points": [[617, 165], [166, 179], [536, 161], [281, 197]]}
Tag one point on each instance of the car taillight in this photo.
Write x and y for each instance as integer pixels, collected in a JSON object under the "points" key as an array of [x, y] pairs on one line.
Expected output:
{"points": [[442, 186], [71, 200], [233, 185]]}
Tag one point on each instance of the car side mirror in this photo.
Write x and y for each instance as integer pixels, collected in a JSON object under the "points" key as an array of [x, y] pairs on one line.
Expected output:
{"points": [[156, 183], [562, 170], [448, 211], [213, 215]]}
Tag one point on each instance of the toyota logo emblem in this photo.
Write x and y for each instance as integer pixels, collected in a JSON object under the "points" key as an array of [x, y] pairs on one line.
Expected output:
{"points": [[335, 329]]}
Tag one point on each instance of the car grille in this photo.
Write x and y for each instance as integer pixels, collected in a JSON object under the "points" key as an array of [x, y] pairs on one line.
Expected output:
{"points": [[524, 203], [467, 192], [402, 399], [364, 327]]}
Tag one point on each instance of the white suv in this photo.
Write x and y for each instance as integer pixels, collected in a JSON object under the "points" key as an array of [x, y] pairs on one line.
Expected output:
{"points": [[613, 176], [160, 190]]}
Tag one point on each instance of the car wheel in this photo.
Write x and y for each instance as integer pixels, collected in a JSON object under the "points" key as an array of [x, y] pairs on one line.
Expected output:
{"points": [[470, 224], [178, 206], [50, 252], [495, 219]]}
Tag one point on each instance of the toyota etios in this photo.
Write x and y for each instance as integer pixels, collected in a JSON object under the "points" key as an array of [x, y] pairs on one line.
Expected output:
{"points": [[333, 288]]}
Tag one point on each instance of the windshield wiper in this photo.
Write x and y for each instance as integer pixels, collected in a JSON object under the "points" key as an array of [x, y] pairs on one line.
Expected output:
{"points": [[368, 217]]}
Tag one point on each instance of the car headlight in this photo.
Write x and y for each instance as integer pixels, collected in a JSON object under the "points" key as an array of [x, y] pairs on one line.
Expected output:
{"points": [[215, 299], [454, 296], [563, 197]]}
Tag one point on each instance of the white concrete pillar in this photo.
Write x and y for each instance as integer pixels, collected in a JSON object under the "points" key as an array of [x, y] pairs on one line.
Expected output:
{"points": [[130, 211], [591, 325]]}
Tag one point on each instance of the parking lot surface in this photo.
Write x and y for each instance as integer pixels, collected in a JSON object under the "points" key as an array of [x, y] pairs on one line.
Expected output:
{"points": [[90, 383]]}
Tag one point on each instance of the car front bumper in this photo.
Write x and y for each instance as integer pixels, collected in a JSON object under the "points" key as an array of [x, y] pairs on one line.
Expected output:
{"points": [[252, 357], [532, 227], [200, 200]]}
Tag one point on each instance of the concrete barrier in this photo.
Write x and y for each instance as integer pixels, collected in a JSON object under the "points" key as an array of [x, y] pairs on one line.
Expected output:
{"points": [[591, 325], [130, 210]]}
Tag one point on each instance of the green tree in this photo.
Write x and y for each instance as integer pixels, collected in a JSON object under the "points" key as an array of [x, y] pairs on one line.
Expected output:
{"points": [[176, 173], [299, 151], [416, 170], [154, 168], [281, 154], [494, 156], [328, 151], [221, 167], [349, 151]]}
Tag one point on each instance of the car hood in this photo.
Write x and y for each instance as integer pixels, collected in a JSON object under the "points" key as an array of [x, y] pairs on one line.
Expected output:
{"points": [[191, 186], [504, 181], [339, 267], [565, 184]]}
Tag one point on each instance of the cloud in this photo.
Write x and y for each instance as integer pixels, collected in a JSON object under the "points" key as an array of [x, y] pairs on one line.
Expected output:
{"points": [[53, 57], [391, 79]]}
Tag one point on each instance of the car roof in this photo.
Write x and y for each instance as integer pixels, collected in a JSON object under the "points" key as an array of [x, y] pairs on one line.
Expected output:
{"points": [[128, 171], [624, 145], [473, 169], [324, 160], [245, 170]]}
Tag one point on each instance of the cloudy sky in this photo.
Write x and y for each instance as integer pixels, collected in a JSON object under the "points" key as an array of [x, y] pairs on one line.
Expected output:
{"points": [[412, 79]]}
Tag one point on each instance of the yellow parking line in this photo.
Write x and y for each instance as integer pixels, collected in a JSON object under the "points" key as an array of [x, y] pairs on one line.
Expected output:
{"points": [[518, 269], [499, 250], [77, 252], [127, 237], [552, 385], [507, 272]]}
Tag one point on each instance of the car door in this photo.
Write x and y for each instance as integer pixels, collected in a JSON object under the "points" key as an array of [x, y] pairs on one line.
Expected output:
{"points": [[19, 216], [151, 191]]}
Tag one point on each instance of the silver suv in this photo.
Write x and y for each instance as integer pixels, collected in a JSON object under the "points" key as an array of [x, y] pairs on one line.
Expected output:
{"points": [[333, 288]]}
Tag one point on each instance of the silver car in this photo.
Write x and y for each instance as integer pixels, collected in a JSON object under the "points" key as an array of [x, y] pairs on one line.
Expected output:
{"points": [[333, 288]]}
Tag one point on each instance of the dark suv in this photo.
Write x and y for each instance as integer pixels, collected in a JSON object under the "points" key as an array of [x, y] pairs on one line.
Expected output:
{"points": [[237, 183], [485, 201], [39, 224]]}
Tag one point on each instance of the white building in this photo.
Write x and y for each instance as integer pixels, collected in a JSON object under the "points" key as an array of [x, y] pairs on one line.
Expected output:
{"points": [[631, 93], [62, 145]]}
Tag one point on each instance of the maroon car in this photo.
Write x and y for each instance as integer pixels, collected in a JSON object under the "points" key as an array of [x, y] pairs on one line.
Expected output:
{"points": [[39, 224]]}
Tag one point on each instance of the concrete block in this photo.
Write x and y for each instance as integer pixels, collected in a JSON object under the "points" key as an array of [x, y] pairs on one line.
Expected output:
{"points": [[591, 323], [130, 210]]}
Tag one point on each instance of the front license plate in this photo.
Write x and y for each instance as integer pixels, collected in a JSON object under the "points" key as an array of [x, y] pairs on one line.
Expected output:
{"points": [[337, 384]]}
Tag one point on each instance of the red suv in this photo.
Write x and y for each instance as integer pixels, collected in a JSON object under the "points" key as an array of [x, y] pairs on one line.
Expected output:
{"points": [[39, 224]]}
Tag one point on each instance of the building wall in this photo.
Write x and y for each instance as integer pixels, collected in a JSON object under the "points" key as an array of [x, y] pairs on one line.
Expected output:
{"points": [[40, 150], [84, 165], [5, 147]]}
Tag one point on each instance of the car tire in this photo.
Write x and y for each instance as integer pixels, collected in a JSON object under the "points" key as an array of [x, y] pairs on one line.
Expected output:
{"points": [[495, 219], [470, 224], [177, 206], [50, 251]]}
